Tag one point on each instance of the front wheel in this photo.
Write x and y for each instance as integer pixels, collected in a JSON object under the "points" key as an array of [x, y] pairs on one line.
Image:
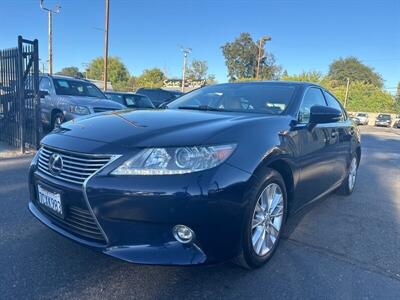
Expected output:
{"points": [[57, 120], [349, 183], [264, 221]]}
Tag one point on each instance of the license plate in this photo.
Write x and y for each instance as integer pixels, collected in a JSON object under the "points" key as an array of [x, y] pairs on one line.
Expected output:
{"points": [[50, 200]]}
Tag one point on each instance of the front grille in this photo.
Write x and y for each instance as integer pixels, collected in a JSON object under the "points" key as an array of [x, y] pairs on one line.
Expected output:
{"points": [[102, 109], [76, 167], [80, 222]]}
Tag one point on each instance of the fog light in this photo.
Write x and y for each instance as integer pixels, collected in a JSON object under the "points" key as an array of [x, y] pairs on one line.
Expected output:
{"points": [[183, 234]]}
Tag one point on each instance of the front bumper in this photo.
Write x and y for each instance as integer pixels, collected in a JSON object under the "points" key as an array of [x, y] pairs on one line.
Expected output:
{"points": [[135, 214], [385, 124]]}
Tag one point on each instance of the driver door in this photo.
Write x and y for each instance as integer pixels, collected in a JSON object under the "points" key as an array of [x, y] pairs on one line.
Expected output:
{"points": [[316, 145]]}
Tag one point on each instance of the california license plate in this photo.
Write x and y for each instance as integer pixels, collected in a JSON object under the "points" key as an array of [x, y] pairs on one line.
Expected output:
{"points": [[50, 200]]}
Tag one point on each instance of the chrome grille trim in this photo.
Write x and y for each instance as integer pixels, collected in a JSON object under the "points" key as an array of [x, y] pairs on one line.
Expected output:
{"points": [[77, 167]]}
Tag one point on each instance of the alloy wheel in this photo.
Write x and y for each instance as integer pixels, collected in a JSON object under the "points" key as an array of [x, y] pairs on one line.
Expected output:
{"points": [[352, 173], [267, 219]]}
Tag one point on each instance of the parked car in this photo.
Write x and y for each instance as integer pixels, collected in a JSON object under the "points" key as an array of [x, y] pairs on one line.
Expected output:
{"points": [[355, 120], [66, 98], [159, 96], [213, 177], [397, 121], [130, 100], [362, 117], [383, 120]]}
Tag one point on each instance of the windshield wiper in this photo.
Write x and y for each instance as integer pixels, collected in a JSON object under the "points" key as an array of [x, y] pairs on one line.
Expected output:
{"points": [[201, 107]]}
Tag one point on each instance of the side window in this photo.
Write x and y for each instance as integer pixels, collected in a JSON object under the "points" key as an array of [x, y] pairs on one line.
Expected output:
{"points": [[333, 102], [45, 85], [312, 97]]}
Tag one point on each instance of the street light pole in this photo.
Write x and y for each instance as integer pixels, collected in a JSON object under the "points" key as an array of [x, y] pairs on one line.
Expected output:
{"points": [[106, 45], [186, 52], [50, 32], [347, 92], [262, 39]]}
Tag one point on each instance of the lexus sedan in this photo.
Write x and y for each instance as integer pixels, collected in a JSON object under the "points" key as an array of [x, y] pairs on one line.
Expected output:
{"points": [[212, 177]]}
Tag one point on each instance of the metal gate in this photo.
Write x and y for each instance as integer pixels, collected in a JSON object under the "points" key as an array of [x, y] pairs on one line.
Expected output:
{"points": [[20, 120]]}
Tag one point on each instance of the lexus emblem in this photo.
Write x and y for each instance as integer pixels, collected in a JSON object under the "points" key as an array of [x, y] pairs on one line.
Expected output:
{"points": [[55, 164]]}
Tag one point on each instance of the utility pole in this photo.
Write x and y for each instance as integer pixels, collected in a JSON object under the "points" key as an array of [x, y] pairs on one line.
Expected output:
{"points": [[262, 40], [50, 12], [106, 44], [186, 52], [347, 92]]}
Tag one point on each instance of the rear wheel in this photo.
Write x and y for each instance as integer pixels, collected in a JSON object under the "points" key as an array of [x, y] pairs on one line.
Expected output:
{"points": [[265, 220]]}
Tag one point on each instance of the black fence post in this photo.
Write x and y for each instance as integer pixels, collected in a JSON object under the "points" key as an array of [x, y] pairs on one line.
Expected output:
{"points": [[21, 93], [37, 104]]}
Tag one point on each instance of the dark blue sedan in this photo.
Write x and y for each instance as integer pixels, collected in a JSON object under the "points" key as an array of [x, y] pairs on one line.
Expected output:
{"points": [[212, 177]]}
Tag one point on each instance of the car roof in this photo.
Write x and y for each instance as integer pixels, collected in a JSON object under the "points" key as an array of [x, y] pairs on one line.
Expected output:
{"points": [[124, 93], [120, 93], [65, 77]]}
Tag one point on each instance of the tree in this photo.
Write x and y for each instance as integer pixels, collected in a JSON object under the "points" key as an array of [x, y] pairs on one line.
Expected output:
{"points": [[241, 57], [70, 71], [352, 68], [153, 78], [310, 76], [197, 70], [362, 96], [117, 72], [211, 79]]}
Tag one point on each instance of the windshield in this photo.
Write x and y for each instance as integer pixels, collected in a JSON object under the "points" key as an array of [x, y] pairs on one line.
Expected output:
{"points": [[384, 117], [266, 98], [361, 115], [77, 88]]}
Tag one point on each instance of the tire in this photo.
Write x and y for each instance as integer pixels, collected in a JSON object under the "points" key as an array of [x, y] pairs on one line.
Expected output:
{"points": [[256, 252], [348, 184], [57, 120]]}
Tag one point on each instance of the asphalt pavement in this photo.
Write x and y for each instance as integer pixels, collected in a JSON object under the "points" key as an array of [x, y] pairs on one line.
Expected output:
{"points": [[338, 248]]}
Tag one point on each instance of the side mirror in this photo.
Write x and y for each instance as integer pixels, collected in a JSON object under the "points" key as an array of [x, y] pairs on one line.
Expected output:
{"points": [[323, 114], [42, 93]]}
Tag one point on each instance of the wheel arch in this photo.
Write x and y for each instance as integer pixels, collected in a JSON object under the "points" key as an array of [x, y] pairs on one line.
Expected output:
{"points": [[358, 153], [55, 111], [283, 165]]}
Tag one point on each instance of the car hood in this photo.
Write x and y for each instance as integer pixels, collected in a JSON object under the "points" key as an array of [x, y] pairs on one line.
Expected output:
{"points": [[145, 128], [92, 102]]}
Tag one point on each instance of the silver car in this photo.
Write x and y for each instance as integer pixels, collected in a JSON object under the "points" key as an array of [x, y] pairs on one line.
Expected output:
{"points": [[66, 98], [362, 117]]}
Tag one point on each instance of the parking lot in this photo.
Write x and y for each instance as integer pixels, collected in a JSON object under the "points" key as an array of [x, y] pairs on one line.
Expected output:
{"points": [[340, 247]]}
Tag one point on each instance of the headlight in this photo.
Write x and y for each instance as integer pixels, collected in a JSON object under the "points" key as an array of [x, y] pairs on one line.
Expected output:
{"points": [[79, 110], [169, 161]]}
